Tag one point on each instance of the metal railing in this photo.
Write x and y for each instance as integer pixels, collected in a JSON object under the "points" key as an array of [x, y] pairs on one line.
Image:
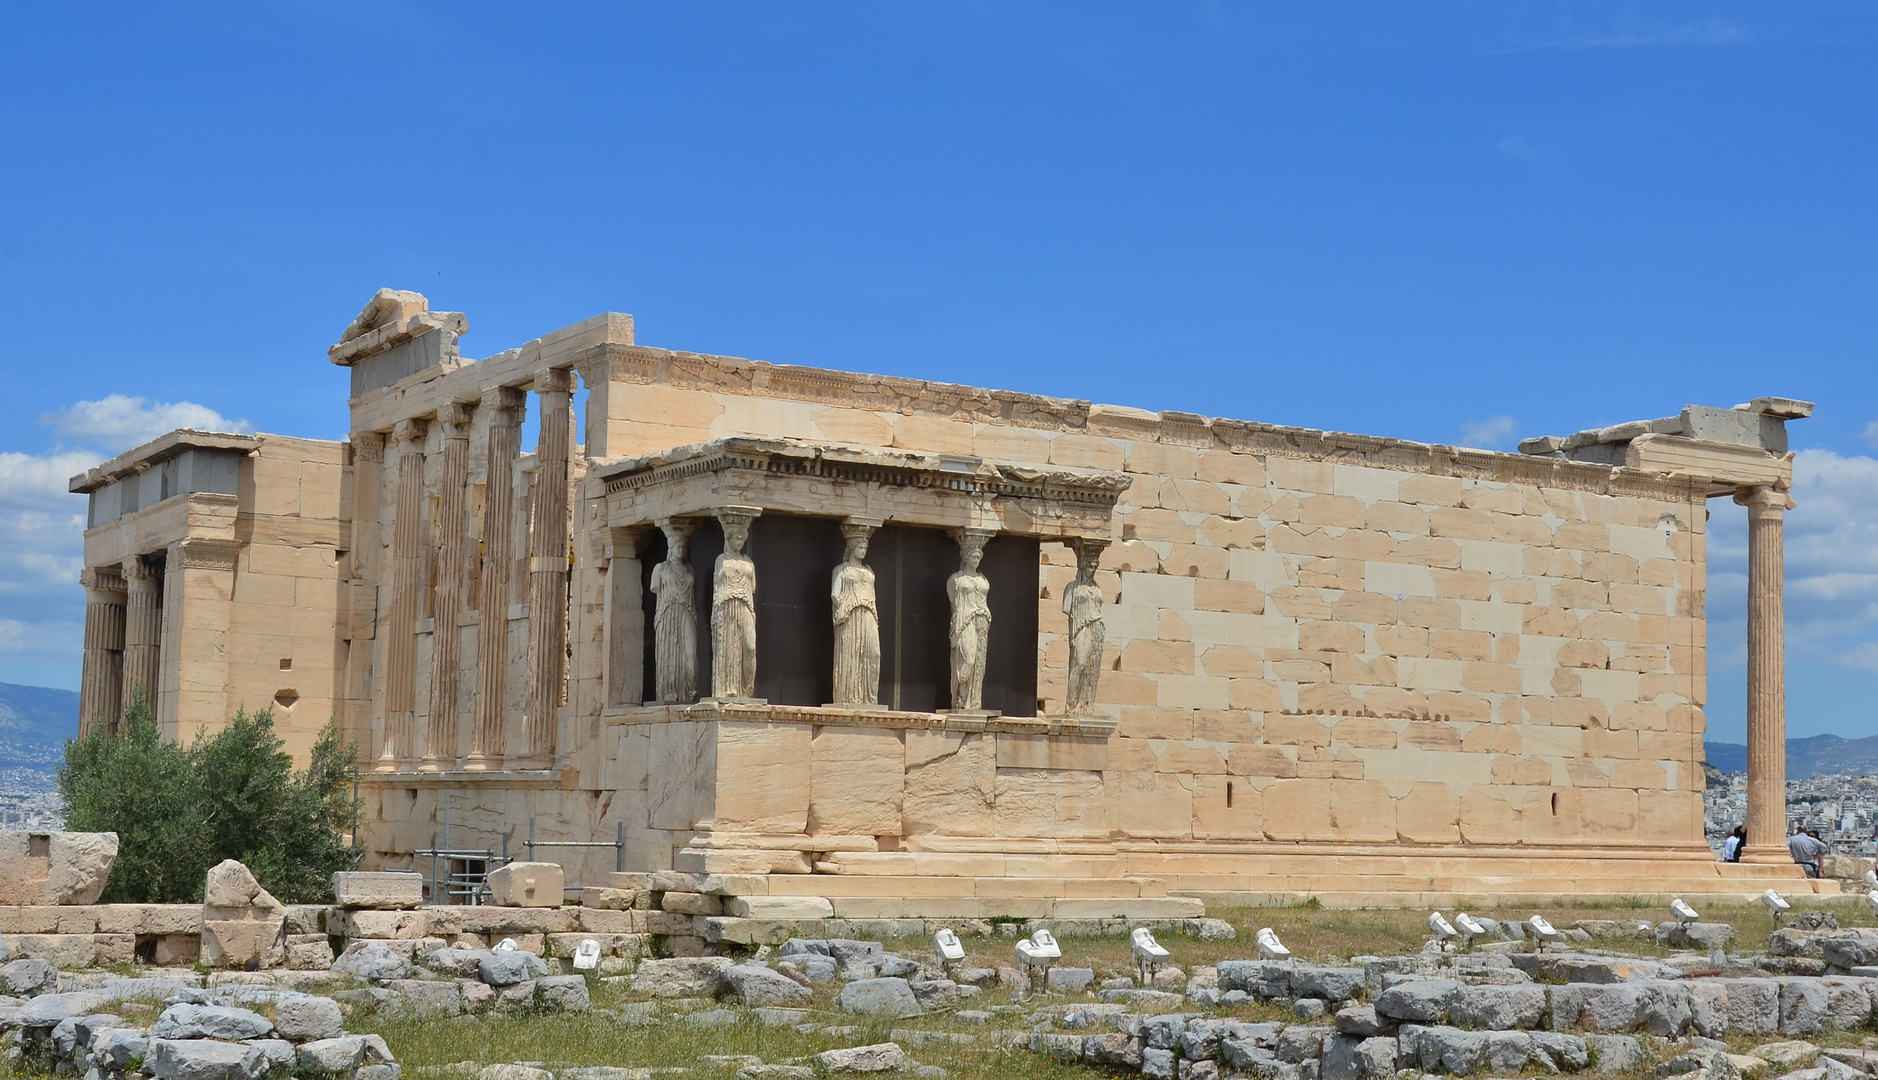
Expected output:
{"points": [[618, 844]]}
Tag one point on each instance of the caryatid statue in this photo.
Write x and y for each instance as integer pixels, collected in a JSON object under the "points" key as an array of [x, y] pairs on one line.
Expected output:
{"points": [[733, 610], [1082, 602], [857, 622], [675, 621], [970, 592]]}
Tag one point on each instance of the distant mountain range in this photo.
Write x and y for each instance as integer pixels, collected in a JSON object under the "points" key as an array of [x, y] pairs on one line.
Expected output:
{"points": [[1820, 755], [35, 721]]}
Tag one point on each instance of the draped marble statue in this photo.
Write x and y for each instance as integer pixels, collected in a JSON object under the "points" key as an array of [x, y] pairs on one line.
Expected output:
{"points": [[675, 621], [733, 612], [857, 622], [1082, 602], [970, 592]]}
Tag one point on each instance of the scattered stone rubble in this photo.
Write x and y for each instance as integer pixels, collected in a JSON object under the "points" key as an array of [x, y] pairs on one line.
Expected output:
{"points": [[1494, 1010]]}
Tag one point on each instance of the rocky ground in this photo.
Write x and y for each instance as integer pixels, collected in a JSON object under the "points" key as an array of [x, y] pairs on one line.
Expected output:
{"points": [[1617, 996]]}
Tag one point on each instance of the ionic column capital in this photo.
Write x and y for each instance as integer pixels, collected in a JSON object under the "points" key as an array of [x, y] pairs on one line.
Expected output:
{"points": [[368, 446], [555, 381], [102, 584], [409, 431], [137, 572], [504, 398], [455, 418], [1764, 500]]}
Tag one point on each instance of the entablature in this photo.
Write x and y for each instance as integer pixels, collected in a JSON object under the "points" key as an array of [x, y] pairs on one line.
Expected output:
{"points": [[870, 483]]}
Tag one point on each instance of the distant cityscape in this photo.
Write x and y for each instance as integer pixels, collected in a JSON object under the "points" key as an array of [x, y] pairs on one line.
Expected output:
{"points": [[1842, 809], [29, 800]]}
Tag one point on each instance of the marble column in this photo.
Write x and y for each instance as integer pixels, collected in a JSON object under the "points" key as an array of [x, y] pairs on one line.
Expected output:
{"points": [[440, 744], [100, 688], [407, 561], [359, 614], [547, 566], [143, 633], [504, 405], [1767, 681]]}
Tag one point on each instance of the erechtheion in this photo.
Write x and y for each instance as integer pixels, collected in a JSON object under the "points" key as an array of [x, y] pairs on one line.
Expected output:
{"points": [[915, 649]]}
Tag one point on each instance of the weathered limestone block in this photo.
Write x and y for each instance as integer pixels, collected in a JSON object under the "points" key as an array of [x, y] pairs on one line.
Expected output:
{"points": [[532, 885], [55, 868], [149, 918], [494, 920], [855, 781], [240, 920], [371, 923], [386, 891], [66, 951]]}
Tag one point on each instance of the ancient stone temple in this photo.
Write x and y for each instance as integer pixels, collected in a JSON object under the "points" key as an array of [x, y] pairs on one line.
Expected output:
{"points": [[901, 648]]}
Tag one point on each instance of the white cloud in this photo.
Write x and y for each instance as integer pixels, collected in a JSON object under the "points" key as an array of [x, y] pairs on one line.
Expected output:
{"points": [[1871, 433], [119, 422], [1489, 434], [42, 524], [1831, 547]]}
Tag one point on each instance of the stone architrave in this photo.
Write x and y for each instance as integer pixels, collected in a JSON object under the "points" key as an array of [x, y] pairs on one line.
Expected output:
{"points": [[548, 565], [40, 869], [1082, 602], [857, 621], [100, 690], [1767, 683], [970, 593], [240, 920], [143, 632], [505, 405], [733, 609], [675, 621], [440, 743]]}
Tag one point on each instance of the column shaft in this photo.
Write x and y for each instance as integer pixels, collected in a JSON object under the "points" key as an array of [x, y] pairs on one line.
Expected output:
{"points": [[360, 593], [406, 568], [143, 633], [492, 627], [100, 689], [1767, 694], [547, 565], [453, 561]]}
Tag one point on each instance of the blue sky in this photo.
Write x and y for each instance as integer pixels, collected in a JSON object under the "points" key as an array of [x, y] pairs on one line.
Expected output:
{"points": [[1461, 223]]}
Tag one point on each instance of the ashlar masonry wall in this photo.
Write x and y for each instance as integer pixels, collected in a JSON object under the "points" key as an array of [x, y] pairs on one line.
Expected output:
{"points": [[1311, 637]]}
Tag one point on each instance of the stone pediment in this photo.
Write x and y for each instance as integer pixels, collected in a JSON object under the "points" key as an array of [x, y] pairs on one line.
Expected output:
{"points": [[392, 317]]}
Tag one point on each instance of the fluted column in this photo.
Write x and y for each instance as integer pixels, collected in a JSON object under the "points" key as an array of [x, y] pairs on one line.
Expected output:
{"points": [[504, 406], [143, 632], [100, 688], [440, 747], [547, 566], [407, 559], [1767, 679]]}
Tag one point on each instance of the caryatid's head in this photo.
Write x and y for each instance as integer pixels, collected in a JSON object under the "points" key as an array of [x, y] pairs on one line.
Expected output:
{"points": [[736, 534], [971, 551]]}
